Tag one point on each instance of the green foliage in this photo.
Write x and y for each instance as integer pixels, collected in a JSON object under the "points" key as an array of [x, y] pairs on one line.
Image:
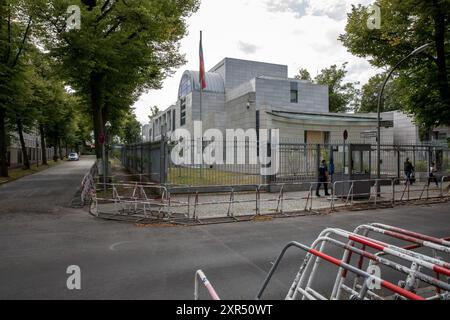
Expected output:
{"points": [[420, 86], [421, 166], [369, 95], [122, 49], [153, 112], [343, 96], [303, 74], [132, 130]]}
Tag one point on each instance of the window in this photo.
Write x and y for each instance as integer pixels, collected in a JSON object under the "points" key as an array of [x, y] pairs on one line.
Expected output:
{"points": [[294, 92], [183, 112], [185, 86], [294, 96], [173, 120], [326, 137]]}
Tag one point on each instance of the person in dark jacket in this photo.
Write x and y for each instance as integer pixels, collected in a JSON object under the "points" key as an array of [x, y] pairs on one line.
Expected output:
{"points": [[323, 178], [409, 170]]}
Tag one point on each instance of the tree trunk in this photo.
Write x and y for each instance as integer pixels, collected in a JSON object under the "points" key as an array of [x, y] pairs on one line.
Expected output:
{"points": [[26, 161], [60, 150], [43, 146], [55, 144], [97, 102], [3, 152]]}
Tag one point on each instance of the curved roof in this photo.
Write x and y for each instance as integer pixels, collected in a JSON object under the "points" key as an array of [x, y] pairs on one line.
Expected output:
{"points": [[328, 118], [190, 81]]}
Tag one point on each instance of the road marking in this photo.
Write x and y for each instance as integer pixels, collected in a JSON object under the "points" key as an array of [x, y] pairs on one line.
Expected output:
{"points": [[113, 246]]}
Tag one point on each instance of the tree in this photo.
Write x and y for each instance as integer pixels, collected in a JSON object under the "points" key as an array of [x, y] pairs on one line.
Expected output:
{"points": [[303, 74], [132, 130], [370, 91], [15, 31], [21, 113], [122, 49], [407, 25], [154, 111], [343, 95]]}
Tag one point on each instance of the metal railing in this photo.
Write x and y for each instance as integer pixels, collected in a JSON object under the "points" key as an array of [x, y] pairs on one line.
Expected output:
{"points": [[405, 261], [200, 275], [257, 200], [88, 185], [298, 162]]}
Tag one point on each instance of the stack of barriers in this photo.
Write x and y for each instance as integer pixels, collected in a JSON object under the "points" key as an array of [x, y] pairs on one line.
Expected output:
{"points": [[379, 262]]}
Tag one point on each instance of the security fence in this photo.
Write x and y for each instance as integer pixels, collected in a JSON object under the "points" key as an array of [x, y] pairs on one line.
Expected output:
{"points": [[298, 162], [147, 202]]}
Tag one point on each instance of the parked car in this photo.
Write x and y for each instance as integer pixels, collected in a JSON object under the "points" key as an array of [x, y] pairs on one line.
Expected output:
{"points": [[74, 157]]}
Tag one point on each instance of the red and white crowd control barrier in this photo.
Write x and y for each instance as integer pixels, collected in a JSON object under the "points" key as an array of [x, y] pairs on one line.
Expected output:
{"points": [[383, 271], [200, 275]]}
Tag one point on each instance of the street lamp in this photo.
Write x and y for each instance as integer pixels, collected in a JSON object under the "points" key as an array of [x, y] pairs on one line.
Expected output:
{"points": [[380, 101]]}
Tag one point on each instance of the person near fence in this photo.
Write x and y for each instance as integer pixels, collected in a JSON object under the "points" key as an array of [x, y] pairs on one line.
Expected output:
{"points": [[323, 178], [432, 177], [409, 171]]}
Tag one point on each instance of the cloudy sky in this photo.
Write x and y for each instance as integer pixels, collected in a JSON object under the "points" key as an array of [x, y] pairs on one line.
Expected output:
{"points": [[297, 33]]}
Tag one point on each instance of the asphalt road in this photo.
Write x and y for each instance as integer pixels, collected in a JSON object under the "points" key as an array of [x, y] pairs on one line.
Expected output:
{"points": [[45, 192], [40, 237]]}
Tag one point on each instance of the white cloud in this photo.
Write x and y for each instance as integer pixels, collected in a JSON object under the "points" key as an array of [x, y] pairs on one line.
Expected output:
{"points": [[247, 48], [267, 31], [333, 9]]}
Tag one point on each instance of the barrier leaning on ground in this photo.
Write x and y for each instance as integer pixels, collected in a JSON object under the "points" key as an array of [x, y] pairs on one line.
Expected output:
{"points": [[148, 202], [384, 271]]}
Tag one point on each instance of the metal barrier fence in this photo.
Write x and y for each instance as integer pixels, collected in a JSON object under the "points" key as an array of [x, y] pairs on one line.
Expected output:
{"points": [[88, 190], [150, 202], [409, 272], [200, 275], [298, 162]]}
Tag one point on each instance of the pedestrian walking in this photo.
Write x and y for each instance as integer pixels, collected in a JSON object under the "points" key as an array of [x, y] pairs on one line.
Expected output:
{"points": [[409, 171], [323, 178], [432, 177]]}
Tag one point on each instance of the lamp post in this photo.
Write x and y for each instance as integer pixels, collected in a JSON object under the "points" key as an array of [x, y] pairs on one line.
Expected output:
{"points": [[380, 101]]}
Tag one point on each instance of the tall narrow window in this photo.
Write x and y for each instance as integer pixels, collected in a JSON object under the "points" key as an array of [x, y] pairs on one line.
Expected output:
{"points": [[294, 92], [173, 120], [326, 137], [183, 112]]}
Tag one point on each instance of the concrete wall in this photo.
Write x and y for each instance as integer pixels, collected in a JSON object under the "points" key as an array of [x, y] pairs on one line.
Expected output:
{"points": [[236, 72], [277, 94], [238, 115], [295, 129], [406, 132]]}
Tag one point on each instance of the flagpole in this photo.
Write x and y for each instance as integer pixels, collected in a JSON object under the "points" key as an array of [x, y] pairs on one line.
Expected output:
{"points": [[201, 107], [200, 80]]}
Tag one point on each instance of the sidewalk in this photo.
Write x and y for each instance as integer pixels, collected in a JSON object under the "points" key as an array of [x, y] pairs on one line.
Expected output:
{"points": [[245, 204]]}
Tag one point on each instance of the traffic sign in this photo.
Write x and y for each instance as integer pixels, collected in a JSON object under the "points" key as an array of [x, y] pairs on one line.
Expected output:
{"points": [[102, 139]]}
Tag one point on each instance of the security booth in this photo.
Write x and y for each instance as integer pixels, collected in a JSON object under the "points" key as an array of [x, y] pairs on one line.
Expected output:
{"points": [[356, 165]]}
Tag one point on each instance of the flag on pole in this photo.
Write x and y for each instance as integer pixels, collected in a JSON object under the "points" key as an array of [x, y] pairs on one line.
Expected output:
{"points": [[202, 65]]}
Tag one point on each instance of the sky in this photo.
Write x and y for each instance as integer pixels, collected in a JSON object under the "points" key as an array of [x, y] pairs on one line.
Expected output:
{"points": [[296, 33]]}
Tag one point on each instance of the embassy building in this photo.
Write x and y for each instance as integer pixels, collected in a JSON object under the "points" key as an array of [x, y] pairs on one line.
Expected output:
{"points": [[242, 94]]}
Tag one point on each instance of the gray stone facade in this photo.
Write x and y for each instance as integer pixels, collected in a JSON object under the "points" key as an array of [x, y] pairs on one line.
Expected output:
{"points": [[244, 94]]}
